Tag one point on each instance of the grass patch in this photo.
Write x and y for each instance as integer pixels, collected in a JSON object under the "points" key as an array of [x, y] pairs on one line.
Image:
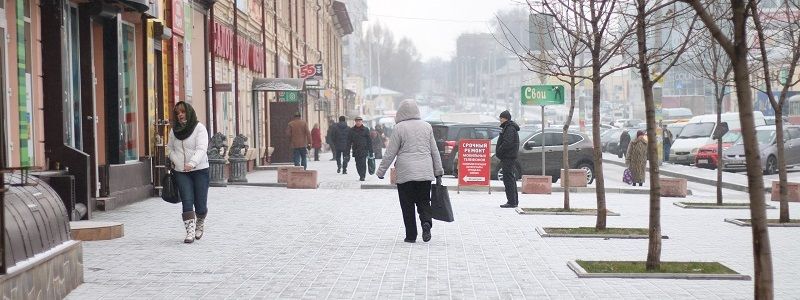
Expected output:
{"points": [[592, 230], [666, 267], [558, 209]]}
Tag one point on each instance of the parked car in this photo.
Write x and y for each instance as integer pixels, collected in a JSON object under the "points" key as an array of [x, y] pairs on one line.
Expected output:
{"points": [[708, 158], [530, 154], [448, 135], [627, 123], [698, 133], [609, 136], [613, 146], [734, 158]]}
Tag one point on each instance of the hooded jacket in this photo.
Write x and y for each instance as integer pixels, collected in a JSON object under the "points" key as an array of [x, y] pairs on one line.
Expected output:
{"points": [[413, 146], [508, 142]]}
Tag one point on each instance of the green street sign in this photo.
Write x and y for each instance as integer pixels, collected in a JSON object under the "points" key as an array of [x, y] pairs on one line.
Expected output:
{"points": [[288, 96], [541, 95]]}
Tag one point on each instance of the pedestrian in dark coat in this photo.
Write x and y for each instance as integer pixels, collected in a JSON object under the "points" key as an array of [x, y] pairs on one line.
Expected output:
{"points": [[316, 141], [341, 136], [507, 150], [667, 144], [361, 143], [636, 158], [624, 141], [377, 141], [418, 163], [329, 139]]}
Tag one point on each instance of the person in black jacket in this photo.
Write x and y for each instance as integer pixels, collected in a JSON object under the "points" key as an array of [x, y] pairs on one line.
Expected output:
{"points": [[506, 151], [341, 139], [361, 143], [624, 141]]}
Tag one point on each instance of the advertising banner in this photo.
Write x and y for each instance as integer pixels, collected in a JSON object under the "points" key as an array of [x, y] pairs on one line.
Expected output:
{"points": [[473, 162]]}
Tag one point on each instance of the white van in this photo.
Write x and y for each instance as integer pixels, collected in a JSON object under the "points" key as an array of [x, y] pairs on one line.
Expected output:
{"points": [[699, 132]]}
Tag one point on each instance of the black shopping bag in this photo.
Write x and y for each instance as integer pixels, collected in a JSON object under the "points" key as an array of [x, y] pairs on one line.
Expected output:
{"points": [[440, 202], [169, 188]]}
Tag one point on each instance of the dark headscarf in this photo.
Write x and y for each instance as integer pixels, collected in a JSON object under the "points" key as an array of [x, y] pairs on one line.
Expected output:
{"points": [[183, 131]]}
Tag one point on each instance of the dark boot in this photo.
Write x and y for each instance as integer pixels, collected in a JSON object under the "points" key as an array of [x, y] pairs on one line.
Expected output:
{"points": [[426, 232], [189, 223]]}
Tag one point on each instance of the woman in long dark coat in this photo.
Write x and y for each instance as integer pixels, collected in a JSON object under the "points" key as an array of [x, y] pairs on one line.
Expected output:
{"points": [[377, 141]]}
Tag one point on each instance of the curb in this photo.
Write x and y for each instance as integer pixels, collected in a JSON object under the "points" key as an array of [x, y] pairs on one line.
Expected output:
{"points": [[258, 184], [714, 206], [700, 180], [544, 234], [742, 223], [575, 267], [520, 211], [587, 190]]}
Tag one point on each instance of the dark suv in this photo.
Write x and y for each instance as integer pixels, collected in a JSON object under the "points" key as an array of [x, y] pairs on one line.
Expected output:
{"points": [[530, 154], [449, 134]]}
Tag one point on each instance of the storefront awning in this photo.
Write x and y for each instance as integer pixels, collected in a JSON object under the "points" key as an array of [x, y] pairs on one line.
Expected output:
{"points": [[278, 84]]}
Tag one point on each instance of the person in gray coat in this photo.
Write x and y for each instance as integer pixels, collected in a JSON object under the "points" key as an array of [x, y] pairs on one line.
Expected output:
{"points": [[418, 163]]}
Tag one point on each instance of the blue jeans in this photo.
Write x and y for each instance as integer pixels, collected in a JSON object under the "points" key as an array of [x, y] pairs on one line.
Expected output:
{"points": [[193, 187], [301, 157]]}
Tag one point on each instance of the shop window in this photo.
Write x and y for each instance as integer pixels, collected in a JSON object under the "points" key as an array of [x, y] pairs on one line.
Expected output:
{"points": [[4, 150], [128, 89], [25, 84]]}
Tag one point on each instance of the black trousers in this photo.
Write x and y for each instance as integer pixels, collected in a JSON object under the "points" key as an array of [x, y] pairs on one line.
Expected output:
{"points": [[316, 154], [342, 158], [510, 181], [415, 193], [361, 165]]}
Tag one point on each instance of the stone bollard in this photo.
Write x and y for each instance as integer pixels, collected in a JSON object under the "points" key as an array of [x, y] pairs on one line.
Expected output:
{"points": [[217, 150], [238, 160], [537, 184], [283, 173], [302, 179], [793, 191], [673, 187], [577, 178]]}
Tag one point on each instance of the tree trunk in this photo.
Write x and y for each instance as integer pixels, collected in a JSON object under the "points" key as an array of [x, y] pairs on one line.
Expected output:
{"points": [[719, 147], [565, 142], [782, 177], [654, 234], [600, 190], [762, 254]]}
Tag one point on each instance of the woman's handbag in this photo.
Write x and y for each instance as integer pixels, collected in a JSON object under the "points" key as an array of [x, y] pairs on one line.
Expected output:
{"points": [[371, 164], [440, 202], [169, 188], [627, 176]]}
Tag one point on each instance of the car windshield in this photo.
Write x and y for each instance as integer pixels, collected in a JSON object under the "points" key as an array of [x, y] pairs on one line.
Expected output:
{"points": [[696, 130], [731, 137]]}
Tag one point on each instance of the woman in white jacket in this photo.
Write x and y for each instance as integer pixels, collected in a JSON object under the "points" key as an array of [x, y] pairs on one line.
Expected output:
{"points": [[418, 163], [188, 142]]}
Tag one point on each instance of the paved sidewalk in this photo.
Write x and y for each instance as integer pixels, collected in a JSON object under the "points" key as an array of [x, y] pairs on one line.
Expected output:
{"points": [[341, 242]]}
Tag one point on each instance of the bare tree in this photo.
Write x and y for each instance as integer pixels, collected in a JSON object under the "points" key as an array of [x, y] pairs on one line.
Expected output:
{"points": [[710, 63], [784, 24], [561, 60], [605, 32], [736, 46], [661, 41]]}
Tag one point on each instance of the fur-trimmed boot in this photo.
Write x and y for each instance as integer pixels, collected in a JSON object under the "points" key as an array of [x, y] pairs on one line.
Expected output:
{"points": [[201, 221], [189, 223]]}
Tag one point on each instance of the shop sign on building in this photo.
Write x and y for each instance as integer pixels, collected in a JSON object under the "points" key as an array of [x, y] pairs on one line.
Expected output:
{"points": [[312, 73]]}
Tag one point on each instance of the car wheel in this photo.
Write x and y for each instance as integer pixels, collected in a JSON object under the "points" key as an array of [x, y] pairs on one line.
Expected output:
{"points": [[772, 166], [589, 171]]}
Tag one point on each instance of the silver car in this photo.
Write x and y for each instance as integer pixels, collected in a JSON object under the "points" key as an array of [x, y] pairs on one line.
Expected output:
{"points": [[733, 159]]}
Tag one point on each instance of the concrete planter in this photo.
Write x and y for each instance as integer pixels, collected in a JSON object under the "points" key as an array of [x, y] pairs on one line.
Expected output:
{"points": [[302, 179], [238, 170], [217, 172], [673, 187], [283, 173], [793, 189], [534, 184], [577, 178]]}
